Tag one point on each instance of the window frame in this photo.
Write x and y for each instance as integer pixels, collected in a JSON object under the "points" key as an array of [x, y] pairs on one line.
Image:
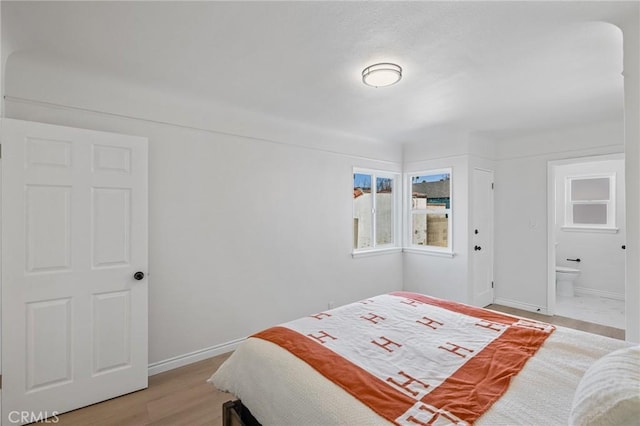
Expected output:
{"points": [[409, 246], [569, 203], [396, 205]]}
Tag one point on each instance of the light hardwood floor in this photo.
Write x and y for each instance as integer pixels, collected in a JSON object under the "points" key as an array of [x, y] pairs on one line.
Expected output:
{"points": [[589, 327], [181, 396]]}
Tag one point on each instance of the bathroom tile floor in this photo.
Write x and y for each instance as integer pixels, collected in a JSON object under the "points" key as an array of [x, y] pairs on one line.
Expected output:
{"points": [[599, 310]]}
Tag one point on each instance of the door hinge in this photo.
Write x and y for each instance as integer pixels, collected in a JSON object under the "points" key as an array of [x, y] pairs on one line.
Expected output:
{"points": [[491, 284], [491, 185]]}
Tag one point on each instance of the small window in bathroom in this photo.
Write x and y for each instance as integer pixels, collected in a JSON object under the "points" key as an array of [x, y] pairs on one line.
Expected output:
{"points": [[590, 202]]}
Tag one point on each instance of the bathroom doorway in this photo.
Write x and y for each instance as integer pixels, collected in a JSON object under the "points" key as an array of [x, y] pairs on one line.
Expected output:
{"points": [[586, 251]]}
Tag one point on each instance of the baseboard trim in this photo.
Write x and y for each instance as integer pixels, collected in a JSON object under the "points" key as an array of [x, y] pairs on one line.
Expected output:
{"points": [[599, 293], [190, 358], [519, 305]]}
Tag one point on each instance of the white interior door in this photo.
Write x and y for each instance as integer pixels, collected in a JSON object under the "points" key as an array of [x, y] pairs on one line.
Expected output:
{"points": [[74, 233], [482, 239]]}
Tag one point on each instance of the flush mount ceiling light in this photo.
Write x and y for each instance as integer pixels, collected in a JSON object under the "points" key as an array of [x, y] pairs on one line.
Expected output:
{"points": [[381, 75]]}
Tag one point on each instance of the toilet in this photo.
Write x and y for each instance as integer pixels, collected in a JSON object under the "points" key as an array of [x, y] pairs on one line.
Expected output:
{"points": [[565, 278]]}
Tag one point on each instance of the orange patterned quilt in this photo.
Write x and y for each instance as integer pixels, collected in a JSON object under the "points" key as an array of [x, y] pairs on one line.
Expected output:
{"points": [[414, 359]]}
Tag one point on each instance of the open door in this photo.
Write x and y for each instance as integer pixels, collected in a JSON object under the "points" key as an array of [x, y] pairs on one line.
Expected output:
{"points": [[74, 264]]}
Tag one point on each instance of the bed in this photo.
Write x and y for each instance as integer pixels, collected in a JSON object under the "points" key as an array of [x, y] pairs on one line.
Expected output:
{"points": [[409, 359]]}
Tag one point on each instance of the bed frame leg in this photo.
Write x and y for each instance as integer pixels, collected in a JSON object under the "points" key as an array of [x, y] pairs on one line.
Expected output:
{"points": [[234, 413]]}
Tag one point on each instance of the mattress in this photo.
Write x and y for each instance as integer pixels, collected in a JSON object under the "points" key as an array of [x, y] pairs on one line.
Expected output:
{"points": [[281, 389]]}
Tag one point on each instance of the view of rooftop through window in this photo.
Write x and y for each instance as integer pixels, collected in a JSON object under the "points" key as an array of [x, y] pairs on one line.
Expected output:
{"points": [[373, 209], [430, 209]]}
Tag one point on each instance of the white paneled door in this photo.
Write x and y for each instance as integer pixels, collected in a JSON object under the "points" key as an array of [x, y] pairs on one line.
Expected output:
{"points": [[74, 265], [482, 238]]}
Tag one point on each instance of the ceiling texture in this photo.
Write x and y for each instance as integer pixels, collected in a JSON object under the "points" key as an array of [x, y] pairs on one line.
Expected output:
{"points": [[478, 66]]}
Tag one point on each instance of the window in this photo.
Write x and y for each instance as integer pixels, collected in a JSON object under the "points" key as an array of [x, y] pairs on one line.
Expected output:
{"points": [[375, 207], [590, 202], [429, 220]]}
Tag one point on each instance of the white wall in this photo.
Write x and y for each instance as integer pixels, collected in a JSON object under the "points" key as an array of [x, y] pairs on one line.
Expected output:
{"points": [[1, 115], [521, 205], [436, 274], [2, 63], [602, 260], [521, 160], [207, 278], [631, 45], [244, 232], [433, 274]]}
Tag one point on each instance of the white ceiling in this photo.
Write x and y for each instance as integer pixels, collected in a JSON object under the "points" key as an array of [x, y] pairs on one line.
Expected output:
{"points": [[476, 66]]}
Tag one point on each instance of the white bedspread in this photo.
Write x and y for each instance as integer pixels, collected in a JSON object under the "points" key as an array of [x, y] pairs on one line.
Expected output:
{"points": [[282, 390]]}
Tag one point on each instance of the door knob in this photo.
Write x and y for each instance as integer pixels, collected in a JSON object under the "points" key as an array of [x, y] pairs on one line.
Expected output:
{"points": [[477, 248], [138, 275], [624, 247]]}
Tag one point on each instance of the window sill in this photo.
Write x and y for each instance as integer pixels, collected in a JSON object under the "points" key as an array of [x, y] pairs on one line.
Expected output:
{"points": [[589, 229], [375, 252], [438, 253]]}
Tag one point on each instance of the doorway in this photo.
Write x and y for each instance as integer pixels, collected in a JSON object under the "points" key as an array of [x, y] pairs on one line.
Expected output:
{"points": [[586, 257], [74, 309], [482, 237]]}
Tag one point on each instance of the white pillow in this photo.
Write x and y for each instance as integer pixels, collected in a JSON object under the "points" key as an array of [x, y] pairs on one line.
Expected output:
{"points": [[609, 391]]}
